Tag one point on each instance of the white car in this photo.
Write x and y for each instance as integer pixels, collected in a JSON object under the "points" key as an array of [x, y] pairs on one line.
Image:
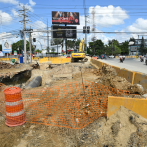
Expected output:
{"points": [[111, 56]]}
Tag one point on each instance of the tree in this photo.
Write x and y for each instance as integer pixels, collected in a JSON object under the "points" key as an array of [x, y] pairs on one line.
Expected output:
{"points": [[0, 47], [19, 44], [97, 47], [132, 39], [53, 50], [124, 48], [113, 42], [38, 51], [142, 48], [56, 41]]}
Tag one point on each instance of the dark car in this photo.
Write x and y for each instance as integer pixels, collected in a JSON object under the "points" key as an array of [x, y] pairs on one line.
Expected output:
{"points": [[103, 56]]}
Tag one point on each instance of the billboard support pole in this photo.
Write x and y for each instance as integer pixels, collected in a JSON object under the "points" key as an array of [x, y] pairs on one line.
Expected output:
{"points": [[85, 25], [47, 38], [66, 43]]}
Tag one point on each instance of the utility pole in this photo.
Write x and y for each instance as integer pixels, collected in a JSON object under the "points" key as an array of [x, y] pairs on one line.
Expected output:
{"points": [[30, 45], [137, 43], [47, 38], [24, 28], [85, 25], [93, 29]]}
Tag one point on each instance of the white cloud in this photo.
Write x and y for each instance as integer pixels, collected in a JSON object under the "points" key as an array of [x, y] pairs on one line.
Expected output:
{"points": [[32, 3], [27, 6], [5, 17], [15, 13], [10, 1], [39, 25], [140, 25], [108, 16]]}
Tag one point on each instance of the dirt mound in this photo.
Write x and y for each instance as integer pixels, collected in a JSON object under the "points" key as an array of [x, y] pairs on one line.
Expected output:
{"points": [[125, 128], [107, 76], [8, 65]]}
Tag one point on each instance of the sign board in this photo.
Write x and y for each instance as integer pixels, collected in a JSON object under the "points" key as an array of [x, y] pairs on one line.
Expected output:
{"points": [[15, 52], [64, 32], [133, 49], [1, 54], [59, 17], [6, 46]]}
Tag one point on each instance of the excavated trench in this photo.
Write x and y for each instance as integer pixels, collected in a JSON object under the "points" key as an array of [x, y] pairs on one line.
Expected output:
{"points": [[19, 78]]}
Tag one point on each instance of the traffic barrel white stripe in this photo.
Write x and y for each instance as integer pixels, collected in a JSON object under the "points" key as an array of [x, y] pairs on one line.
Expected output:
{"points": [[15, 114], [13, 103]]}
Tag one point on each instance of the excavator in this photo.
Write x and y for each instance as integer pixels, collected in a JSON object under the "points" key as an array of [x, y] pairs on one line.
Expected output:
{"points": [[79, 54]]}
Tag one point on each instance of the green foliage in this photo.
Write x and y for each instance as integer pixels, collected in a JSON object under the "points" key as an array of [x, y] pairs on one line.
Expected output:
{"points": [[142, 48], [38, 51], [0, 47], [124, 48], [56, 41], [96, 47], [70, 43], [53, 50], [20, 45], [132, 39]]}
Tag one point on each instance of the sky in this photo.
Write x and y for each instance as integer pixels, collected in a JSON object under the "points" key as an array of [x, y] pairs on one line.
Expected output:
{"points": [[110, 16]]}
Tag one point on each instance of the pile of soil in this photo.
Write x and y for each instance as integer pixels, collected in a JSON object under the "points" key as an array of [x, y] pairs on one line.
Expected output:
{"points": [[107, 76], [4, 65], [124, 128]]}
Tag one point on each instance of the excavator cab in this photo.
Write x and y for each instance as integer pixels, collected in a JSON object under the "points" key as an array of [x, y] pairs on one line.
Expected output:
{"points": [[79, 53]]}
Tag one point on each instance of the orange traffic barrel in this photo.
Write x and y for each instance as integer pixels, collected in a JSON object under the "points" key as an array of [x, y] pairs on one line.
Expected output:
{"points": [[15, 114]]}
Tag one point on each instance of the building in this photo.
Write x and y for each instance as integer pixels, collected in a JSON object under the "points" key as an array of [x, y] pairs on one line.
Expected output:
{"points": [[134, 49]]}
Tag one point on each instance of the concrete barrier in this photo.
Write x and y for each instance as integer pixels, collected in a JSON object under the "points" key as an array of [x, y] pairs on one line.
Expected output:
{"points": [[131, 76], [141, 79], [128, 75], [136, 105], [4, 59], [55, 60], [117, 69]]}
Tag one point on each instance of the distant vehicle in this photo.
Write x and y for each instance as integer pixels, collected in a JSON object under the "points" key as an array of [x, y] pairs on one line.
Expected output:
{"points": [[102, 56], [111, 56], [98, 57], [87, 54]]}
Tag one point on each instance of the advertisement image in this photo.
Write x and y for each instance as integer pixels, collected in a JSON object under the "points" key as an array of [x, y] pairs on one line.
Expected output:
{"points": [[6, 46], [59, 17], [64, 32]]}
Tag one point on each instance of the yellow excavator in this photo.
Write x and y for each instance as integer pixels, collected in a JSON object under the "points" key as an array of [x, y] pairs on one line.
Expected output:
{"points": [[79, 54]]}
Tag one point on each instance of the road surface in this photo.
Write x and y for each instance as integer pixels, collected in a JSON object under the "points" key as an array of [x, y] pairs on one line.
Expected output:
{"points": [[130, 64]]}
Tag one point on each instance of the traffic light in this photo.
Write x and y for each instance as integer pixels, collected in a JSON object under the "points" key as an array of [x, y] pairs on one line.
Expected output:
{"points": [[88, 29], [34, 39], [84, 29]]}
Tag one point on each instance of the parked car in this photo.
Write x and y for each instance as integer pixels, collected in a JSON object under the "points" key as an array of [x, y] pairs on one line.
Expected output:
{"points": [[98, 57], [111, 56], [102, 56]]}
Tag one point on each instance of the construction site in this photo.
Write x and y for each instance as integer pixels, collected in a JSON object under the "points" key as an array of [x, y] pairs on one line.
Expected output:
{"points": [[64, 104]]}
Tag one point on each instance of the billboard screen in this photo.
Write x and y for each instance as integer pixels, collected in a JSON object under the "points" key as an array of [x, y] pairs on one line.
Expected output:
{"points": [[6, 46], [133, 48], [59, 17], [62, 32]]}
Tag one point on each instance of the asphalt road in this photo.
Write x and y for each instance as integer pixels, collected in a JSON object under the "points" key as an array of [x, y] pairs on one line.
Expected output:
{"points": [[130, 64]]}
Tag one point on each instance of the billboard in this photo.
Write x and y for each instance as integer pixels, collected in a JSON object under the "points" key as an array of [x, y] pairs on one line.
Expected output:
{"points": [[6, 46], [133, 48], [59, 17], [62, 32]]}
